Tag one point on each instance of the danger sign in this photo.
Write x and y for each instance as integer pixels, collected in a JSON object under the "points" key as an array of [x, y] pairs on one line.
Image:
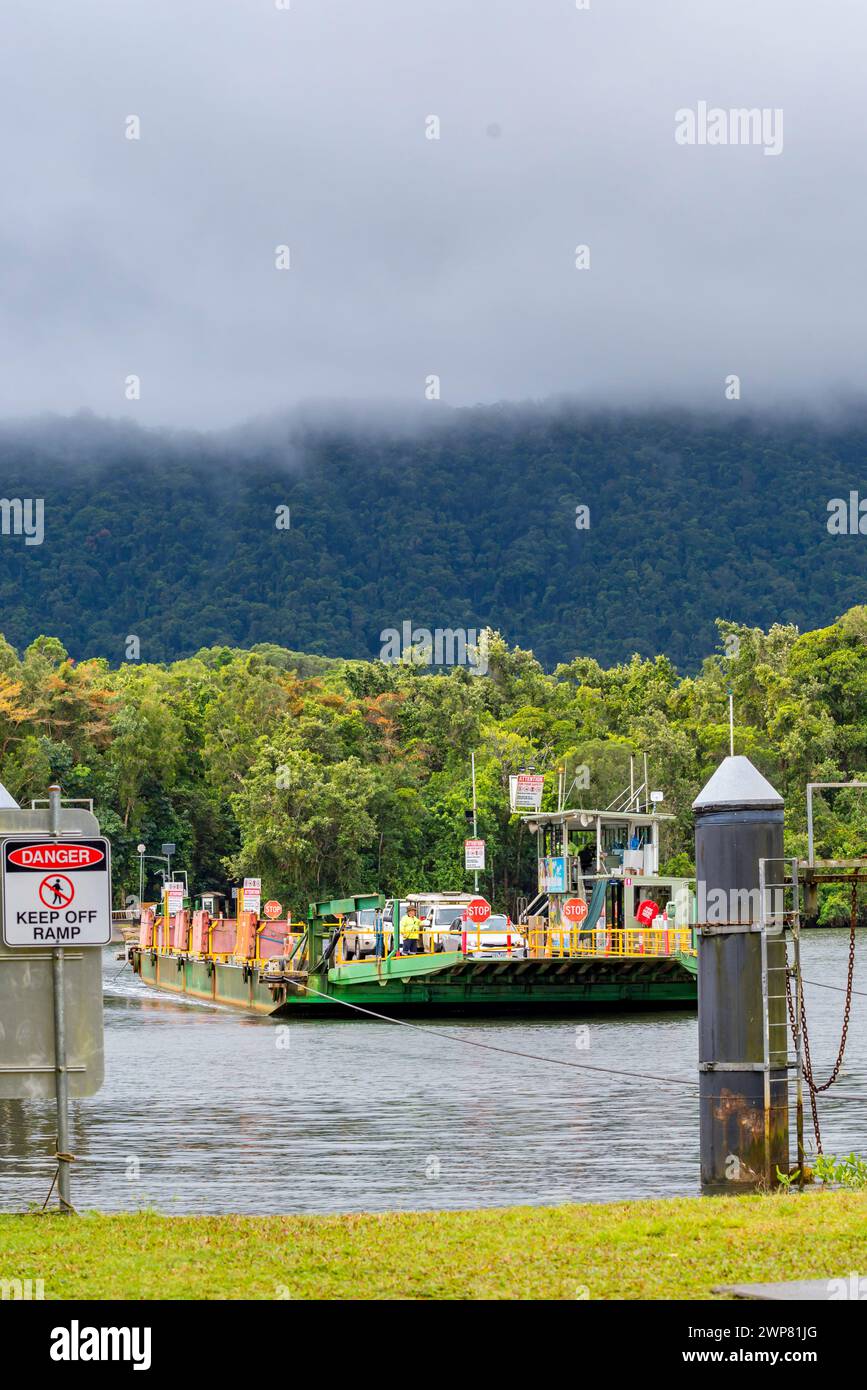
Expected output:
{"points": [[56, 892], [56, 856]]}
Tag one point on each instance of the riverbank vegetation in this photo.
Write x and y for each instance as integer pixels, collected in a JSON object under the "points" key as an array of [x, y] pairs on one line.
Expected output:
{"points": [[673, 1249], [332, 777]]}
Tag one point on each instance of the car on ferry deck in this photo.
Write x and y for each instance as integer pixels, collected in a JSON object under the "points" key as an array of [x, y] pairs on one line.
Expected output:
{"points": [[496, 939], [359, 934]]}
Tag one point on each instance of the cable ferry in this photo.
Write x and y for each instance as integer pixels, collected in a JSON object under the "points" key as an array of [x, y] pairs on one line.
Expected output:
{"points": [[605, 930]]}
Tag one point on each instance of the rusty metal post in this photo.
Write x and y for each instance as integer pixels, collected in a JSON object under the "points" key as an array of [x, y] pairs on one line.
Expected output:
{"points": [[742, 1082]]}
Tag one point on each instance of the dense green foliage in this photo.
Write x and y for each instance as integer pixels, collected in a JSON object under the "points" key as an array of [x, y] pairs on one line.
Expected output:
{"points": [[346, 776], [468, 521]]}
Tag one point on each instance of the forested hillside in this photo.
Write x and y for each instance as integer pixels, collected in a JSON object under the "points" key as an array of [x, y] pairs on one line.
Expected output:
{"points": [[345, 776], [466, 521]]}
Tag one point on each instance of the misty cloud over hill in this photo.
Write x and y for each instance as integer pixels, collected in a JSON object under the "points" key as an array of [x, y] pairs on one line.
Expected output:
{"points": [[479, 521]]}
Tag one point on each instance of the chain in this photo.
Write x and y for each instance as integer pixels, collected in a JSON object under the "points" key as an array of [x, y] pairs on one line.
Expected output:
{"points": [[794, 1027], [814, 1088]]}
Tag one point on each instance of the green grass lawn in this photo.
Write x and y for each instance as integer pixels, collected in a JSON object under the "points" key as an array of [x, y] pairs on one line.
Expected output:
{"points": [[653, 1249]]}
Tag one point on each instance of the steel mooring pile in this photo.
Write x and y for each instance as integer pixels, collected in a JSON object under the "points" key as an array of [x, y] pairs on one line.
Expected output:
{"points": [[742, 972]]}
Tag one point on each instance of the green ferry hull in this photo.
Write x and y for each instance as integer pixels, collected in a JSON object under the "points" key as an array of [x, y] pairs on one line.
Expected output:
{"points": [[444, 984]]}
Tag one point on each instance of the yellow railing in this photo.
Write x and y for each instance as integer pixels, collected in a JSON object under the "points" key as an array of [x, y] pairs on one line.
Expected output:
{"points": [[369, 934], [292, 932], [564, 942], [429, 941], [543, 942]]}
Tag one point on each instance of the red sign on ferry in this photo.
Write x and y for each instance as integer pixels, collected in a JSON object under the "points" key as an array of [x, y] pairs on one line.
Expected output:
{"points": [[575, 909], [479, 910]]}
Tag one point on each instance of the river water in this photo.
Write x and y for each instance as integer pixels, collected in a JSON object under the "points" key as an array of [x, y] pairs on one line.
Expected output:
{"points": [[205, 1109]]}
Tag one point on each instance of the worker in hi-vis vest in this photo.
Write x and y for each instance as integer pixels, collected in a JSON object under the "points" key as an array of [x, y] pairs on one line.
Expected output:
{"points": [[410, 928]]}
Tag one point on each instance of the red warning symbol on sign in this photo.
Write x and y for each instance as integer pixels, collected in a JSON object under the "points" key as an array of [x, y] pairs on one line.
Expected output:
{"points": [[56, 891]]}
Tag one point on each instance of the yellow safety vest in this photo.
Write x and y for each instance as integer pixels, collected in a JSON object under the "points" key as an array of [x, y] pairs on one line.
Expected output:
{"points": [[410, 927]]}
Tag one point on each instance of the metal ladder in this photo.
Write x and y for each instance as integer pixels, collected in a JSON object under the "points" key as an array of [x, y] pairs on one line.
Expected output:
{"points": [[779, 913]]}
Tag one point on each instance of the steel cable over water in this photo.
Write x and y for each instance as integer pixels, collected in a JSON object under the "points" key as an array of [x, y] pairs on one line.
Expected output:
{"points": [[509, 1051]]}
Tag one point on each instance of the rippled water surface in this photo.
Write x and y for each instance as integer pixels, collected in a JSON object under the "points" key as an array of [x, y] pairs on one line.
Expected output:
{"points": [[208, 1109]]}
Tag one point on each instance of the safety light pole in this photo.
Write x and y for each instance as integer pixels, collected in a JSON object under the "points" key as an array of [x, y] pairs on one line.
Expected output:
{"points": [[475, 820], [163, 859]]}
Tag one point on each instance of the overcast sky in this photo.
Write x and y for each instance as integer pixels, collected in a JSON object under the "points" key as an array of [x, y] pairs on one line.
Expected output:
{"points": [[409, 256]]}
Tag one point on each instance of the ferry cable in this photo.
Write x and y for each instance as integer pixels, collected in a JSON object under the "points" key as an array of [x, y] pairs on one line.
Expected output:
{"points": [[862, 993], [508, 1051]]}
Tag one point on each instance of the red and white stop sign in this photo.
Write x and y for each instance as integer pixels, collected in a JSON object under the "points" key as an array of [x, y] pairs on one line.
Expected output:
{"points": [[575, 909], [273, 909], [478, 910]]}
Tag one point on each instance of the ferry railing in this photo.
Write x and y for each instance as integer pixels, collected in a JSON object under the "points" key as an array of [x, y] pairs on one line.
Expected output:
{"points": [[382, 944], [473, 939], [286, 929], [539, 942], [219, 924], [162, 940], [551, 942], [569, 942], [432, 942]]}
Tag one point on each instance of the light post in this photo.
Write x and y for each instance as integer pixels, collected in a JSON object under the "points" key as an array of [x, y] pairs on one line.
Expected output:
{"points": [[163, 859], [141, 854], [475, 817]]}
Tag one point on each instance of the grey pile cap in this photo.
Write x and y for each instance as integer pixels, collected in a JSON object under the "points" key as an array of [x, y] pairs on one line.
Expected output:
{"points": [[737, 783]]}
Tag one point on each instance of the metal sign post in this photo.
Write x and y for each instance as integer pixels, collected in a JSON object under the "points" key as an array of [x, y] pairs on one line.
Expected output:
{"points": [[55, 895], [475, 819], [61, 1079]]}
